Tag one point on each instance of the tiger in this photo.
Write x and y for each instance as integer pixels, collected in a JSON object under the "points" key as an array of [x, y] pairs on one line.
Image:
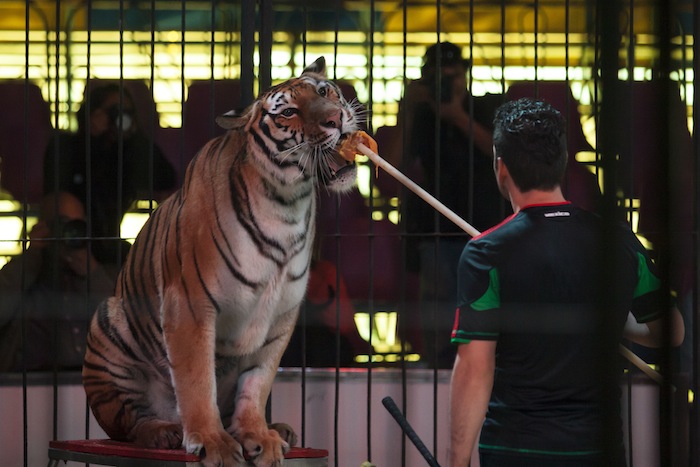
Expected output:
{"points": [[185, 352]]}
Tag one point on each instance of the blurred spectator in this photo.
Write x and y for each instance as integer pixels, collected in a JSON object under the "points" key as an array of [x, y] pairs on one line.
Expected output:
{"points": [[448, 134], [123, 165], [53, 288]]}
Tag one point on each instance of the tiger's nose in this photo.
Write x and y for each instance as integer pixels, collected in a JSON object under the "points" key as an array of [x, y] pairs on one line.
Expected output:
{"points": [[332, 121]]}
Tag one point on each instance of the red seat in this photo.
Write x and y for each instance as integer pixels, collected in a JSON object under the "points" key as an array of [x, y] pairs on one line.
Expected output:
{"points": [[25, 132], [644, 159], [368, 257], [206, 100]]}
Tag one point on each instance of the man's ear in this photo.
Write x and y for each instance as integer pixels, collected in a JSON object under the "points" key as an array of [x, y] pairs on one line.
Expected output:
{"points": [[500, 169]]}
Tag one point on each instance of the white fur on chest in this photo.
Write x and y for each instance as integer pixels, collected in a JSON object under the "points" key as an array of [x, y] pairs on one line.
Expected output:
{"points": [[249, 313], [245, 321]]}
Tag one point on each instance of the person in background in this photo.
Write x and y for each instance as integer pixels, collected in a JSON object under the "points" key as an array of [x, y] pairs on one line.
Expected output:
{"points": [[123, 165], [51, 291], [544, 299], [449, 137]]}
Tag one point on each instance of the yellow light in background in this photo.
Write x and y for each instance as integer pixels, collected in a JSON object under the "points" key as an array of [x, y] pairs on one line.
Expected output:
{"points": [[135, 218], [131, 225], [10, 232], [377, 215], [11, 227], [363, 175], [384, 337]]}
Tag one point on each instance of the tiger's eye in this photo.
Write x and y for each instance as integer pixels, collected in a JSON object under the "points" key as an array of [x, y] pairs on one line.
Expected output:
{"points": [[323, 92], [288, 112]]}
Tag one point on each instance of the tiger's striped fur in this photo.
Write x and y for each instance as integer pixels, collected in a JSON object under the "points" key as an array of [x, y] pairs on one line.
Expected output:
{"points": [[186, 350]]}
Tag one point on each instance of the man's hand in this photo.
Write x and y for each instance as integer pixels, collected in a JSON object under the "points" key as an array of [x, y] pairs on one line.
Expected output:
{"points": [[38, 235]]}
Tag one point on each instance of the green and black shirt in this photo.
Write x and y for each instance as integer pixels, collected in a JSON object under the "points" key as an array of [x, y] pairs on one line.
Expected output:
{"points": [[553, 286]]}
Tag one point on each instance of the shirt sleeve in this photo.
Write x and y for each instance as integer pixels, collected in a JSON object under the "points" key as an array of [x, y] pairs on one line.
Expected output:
{"points": [[478, 310], [646, 301]]}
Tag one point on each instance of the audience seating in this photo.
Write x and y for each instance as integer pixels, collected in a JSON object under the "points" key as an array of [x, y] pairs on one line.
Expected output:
{"points": [[206, 100], [25, 132]]}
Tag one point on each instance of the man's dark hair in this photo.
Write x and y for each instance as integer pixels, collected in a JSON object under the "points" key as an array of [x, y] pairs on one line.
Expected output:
{"points": [[530, 137]]}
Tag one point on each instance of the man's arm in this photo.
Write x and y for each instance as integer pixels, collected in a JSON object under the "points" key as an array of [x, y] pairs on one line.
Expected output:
{"points": [[470, 391], [651, 334]]}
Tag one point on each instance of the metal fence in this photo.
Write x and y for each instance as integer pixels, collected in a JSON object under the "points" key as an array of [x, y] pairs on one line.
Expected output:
{"points": [[622, 71]]}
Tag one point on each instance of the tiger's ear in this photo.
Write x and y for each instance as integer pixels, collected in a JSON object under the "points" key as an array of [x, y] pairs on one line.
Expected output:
{"points": [[318, 67], [233, 119]]}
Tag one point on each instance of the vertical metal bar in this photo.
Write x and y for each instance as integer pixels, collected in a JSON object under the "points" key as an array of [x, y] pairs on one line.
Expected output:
{"points": [[120, 139], [87, 106], [404, 164], [536, 45], [265, 48], [631, 63], [23, 279], [336, 382], [371, 241], [503, 46], [667, 454], [305, 310], [436, 225], [247, 52], [55, 265], [153, 111], [338, 8], [608, 14], [212, 78], [183, 101], [472, 143], [695, 325]]}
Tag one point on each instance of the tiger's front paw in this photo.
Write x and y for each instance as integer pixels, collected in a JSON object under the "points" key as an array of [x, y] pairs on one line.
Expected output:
{"points": [[217, 447], [264, 449]]}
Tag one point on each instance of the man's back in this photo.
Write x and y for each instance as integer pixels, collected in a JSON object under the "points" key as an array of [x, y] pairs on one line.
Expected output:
{"points": [[536, 283]]}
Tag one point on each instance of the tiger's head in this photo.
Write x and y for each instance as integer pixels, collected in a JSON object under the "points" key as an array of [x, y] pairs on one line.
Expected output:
{"points": [[293, 130]]}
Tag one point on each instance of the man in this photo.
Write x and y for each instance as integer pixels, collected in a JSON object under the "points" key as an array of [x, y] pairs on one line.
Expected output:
{"points": [[538, 324], [54, 287], [449, 138]]}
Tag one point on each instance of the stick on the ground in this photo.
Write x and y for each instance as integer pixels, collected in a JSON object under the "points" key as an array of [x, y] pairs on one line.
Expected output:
{"points": [[410, 432], [468, 228]]}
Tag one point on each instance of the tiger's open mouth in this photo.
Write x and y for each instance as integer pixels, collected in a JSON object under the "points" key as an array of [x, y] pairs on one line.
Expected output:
{"points": [[334, 166], [337, 165]]}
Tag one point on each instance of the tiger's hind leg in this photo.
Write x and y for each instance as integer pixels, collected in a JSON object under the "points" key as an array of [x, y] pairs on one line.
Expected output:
{"points": [[131, 399], [286, 432]]}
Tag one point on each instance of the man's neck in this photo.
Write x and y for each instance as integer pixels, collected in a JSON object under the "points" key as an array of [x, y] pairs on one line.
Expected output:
{"points": [[519, 200]]}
